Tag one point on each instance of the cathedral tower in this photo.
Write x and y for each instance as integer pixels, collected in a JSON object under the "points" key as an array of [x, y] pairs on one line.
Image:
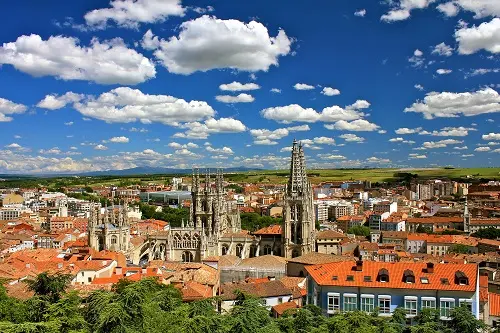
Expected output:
{"points": [[298, 211]]}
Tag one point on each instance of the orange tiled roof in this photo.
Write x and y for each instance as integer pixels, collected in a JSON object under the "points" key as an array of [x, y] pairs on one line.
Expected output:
{"points": [[483, 288], [274, 229], [281, 308], [324, 275], [435, 219], [495, 305], [329, 234], [484, 221], [193, 291]]}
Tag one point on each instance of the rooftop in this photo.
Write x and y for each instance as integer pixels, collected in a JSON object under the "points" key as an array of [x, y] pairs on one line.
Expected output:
{"points": [[443, 276], [314, 258]]}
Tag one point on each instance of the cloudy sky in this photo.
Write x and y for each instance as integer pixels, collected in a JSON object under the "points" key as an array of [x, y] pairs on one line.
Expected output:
{"points": [[96, 85]]}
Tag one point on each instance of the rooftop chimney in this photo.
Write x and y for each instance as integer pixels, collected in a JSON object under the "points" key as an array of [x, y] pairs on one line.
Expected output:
{"points": [[144, 270], [430, 267], [359, 266], [118, 271]]}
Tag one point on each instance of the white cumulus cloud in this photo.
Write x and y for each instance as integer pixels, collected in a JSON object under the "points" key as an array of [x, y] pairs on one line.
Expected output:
{"points": [[55, 102], [241, 98], [486, 36], [448, 104], [401, 9], [237, 86], [207, 43], [443, 50], [119, 139], [100, 147], [491, 136], [351, 138], [360, 125], [106, 62], [442, 71], [296, 113], [9, 108], [327, 91], [303, 86], [360, 13], [124, 105], [130, 13]]}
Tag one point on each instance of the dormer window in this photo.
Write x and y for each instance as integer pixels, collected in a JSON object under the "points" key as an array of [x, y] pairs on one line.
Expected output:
{"points": [[461, 278], [383, 275], [408, 276]]}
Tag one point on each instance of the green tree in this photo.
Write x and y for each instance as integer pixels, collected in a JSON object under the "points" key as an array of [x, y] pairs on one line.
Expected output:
{"points": [[463, 321], [459, 249], [490, 233], [359, 231], [51, 286]]}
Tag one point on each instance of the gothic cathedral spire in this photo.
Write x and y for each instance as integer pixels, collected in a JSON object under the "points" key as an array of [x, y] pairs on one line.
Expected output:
{"points": [[298, 211]]}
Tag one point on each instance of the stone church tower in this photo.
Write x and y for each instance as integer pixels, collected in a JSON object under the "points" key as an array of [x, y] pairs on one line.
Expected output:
{"points": [[298, 233], [109, 230]]}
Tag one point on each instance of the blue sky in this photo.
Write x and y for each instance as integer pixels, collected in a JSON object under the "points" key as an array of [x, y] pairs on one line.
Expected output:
{"points": [[97, 85]]}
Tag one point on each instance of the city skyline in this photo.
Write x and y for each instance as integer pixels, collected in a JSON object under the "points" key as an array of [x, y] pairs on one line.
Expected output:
{"points": [[107, 85]]}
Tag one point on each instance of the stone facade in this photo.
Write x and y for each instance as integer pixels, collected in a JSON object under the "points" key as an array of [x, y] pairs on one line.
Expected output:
{"points": [[213, 229], [298, 236], [214, 226], [109, 228]]}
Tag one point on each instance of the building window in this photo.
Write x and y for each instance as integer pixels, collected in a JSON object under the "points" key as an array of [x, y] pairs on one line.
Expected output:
{"points": [[280, 300], [333, 302], [367, 303], [384, 304], [411, 305], [428, 302], [350, 302], [239, 250], [445, 307], [466, 302], [267, 249]]}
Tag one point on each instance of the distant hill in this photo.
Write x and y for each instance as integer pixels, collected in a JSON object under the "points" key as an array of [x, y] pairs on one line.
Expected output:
{"points": [[156, 171]]}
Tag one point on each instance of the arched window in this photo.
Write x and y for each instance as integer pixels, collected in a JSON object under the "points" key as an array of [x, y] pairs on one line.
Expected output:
{"points": [[186, 239], [225, 248], [114, 239], [267, 249], [408, 276], [187, 256], [383, 275], [239, 250], [177, 240], [196, 240], [253, 251]]}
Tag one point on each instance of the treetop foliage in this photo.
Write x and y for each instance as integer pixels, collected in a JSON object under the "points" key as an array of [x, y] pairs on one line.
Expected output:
{"points": [[148, 306]]}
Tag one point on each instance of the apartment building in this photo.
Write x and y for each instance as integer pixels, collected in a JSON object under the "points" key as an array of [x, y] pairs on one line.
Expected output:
{"points": [[328, 241], [385, 206], [339, 209], [321, 210], [366, 286], [7, 214]]}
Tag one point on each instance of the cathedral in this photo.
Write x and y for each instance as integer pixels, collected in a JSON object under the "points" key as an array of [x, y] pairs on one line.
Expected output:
{"points": [[213, 229], [109, 230], [214, 226], [298, 232]]}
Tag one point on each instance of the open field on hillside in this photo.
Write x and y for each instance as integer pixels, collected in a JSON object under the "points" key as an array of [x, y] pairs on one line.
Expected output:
{"points": [[373, 175], [266, 176]]}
